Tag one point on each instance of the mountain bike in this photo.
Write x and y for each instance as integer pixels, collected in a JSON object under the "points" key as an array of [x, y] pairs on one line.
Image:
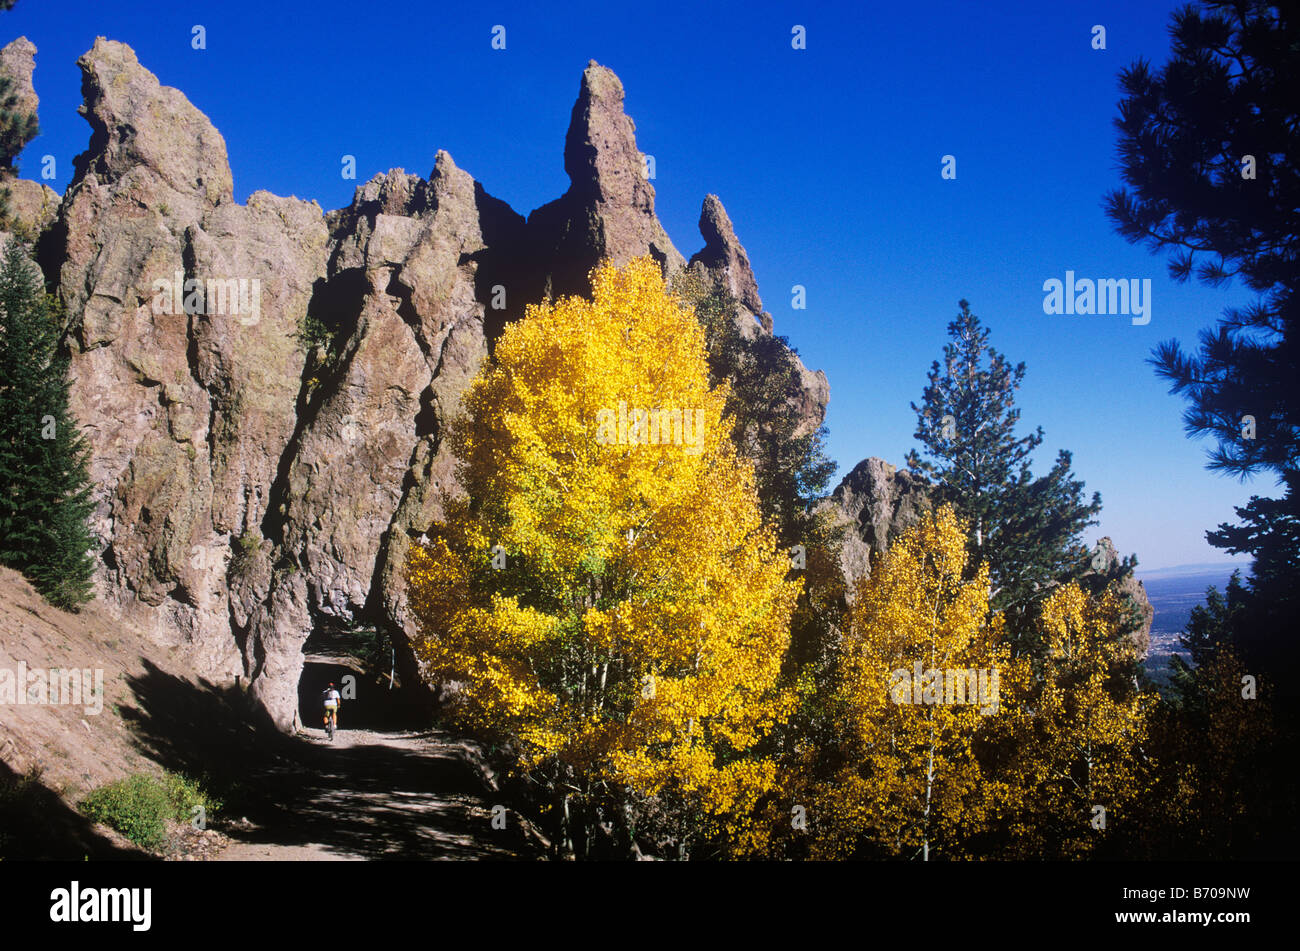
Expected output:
{"points": [[329, 723]]}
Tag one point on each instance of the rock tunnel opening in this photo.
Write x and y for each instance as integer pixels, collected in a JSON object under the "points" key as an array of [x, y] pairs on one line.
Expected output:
{"points": [[362, 670]]}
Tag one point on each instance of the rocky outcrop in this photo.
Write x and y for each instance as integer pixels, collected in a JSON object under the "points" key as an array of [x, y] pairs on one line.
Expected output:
{"points": [[266, 387], [367, 466], [725, 259], [17, 64], [875, 502], [184, 362], [1105, 560], [723, 262], [812, 399], [608, 210], [32, 206]]}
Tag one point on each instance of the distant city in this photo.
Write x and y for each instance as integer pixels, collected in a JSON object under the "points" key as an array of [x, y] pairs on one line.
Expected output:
{"points": [[1173, 592]]}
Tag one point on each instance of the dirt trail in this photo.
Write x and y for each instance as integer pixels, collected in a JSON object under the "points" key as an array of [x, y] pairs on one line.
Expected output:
{"points": [[373, 793], [376, 795]]}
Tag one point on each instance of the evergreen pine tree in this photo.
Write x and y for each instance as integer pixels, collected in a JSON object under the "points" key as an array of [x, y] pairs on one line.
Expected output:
{"points": [[44, 483], [1028, 529], [17, 128], [1210, 629], [1207, 148]]}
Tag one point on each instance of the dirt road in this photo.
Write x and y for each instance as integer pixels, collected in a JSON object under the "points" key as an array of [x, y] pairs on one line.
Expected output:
{"points": [[376, 795]]}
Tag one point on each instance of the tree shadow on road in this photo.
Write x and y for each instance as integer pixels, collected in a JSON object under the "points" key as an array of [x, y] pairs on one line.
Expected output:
{"points": [[399, 795]]}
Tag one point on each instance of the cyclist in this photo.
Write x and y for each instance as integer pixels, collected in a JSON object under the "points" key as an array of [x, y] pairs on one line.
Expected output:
{"points": [[332, 700]]}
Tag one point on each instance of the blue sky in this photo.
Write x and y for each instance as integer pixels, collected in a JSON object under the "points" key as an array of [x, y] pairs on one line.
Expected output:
{"points": [[827, 159]]}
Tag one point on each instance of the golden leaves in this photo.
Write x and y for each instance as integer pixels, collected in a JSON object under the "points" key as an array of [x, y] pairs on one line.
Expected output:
{"points": [[638, 631], [910, 781], [1082, 747]]}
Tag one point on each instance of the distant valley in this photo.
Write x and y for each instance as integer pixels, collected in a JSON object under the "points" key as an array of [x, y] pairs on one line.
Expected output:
{"points": [[1173, 592]]}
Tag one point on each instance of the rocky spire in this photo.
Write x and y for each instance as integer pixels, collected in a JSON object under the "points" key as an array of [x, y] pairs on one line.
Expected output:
{"points": [[17, 63], [32, 205], [139, 124], [608, 211], [600, 153], [724, 257]]}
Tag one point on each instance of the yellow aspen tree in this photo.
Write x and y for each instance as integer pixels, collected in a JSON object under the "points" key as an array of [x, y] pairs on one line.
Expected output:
{"points": [[1080, 758], [605, 596], [923, 668]]}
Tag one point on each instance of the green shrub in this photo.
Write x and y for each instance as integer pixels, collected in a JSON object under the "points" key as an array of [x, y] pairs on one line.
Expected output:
{"points": [[140, 805], [245, 548], [136, 807], [184, 794], [312, 332]]}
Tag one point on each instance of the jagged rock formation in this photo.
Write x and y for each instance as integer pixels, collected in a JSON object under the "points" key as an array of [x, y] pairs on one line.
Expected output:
{"points": [[186, 413], [17, 63], [877, 502], [723, 262], [366, 467], [1106, 559], [266, 387], [813, 397], [609, 209], [725, 259], [31, 205]]}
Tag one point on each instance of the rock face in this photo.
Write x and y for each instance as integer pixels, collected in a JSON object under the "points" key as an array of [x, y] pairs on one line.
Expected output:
{"points": [[368, 462], [877, 502], [266, 387], [32, 206], [185, 383]]}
